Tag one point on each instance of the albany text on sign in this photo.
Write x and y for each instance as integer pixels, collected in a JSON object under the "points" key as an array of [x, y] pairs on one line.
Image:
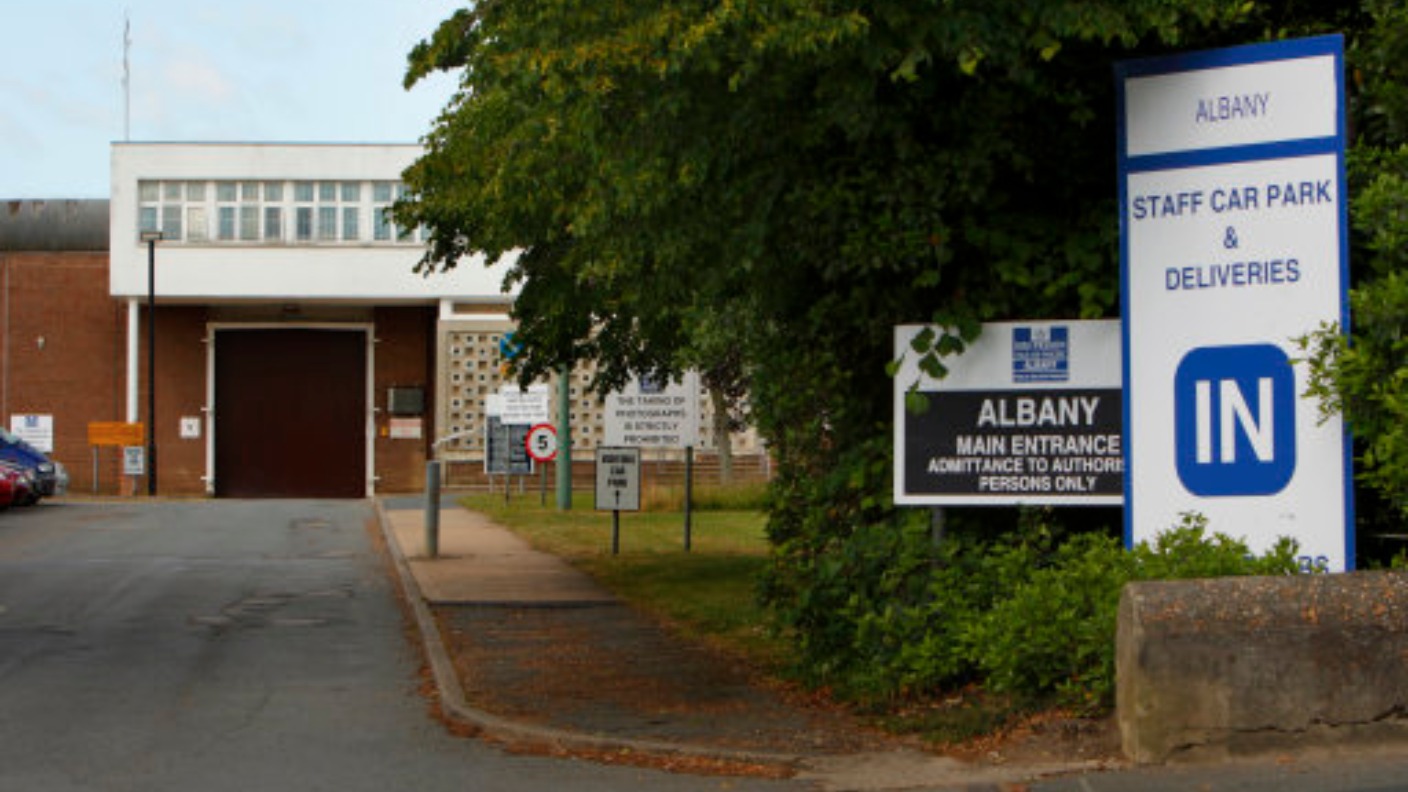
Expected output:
{"points": [[1029, 413]]}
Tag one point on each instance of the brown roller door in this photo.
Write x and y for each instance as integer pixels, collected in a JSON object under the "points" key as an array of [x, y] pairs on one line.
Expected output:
{"points": [[290, 414]]}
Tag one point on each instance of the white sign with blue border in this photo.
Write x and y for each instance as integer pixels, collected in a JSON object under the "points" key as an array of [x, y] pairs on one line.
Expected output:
{"points": [[1233, 244]]}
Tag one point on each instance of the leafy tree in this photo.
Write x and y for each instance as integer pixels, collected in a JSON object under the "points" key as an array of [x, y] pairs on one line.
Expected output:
{"points": [[681, 182], [1364, 376]]}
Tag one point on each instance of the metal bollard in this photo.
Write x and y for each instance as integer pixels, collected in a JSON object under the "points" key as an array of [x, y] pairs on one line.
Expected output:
{"points": [[432, 508]]}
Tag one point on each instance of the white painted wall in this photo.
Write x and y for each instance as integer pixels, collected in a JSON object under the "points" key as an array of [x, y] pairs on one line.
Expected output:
{"points": [[221, 271]]}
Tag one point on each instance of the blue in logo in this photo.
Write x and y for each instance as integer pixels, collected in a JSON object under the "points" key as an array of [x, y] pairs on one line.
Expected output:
{"points": [[1041, 354], [1235, 420]]}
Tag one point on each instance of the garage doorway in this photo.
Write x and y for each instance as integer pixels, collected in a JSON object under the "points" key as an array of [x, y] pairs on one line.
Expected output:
{"points": [[290, 413]]}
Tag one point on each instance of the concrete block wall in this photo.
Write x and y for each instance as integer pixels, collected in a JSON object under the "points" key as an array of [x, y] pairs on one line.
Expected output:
{"points": [[1239, 666]]}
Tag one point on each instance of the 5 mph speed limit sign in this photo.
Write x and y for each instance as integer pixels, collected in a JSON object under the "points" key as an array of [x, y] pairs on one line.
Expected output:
{"points": [[542, 442]]}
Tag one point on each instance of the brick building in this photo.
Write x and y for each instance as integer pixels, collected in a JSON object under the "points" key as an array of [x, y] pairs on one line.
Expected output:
{"points": [[297, 352], [60, 332]]}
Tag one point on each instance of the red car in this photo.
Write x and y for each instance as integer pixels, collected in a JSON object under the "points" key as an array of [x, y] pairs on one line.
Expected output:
{"points": [[16, 486], [10, 481]]}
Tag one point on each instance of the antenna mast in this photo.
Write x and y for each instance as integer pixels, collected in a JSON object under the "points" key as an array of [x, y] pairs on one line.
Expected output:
{"points": [[126, 79]]}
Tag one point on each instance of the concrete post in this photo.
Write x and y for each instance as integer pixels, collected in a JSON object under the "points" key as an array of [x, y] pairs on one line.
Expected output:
{"points": [[432, 508]]}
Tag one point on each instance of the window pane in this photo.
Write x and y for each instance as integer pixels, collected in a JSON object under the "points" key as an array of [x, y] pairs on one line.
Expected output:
{"points": [[171, 191], [249, 222], [249, 191], [196, 230], [381, 192], [171, 222], [350, 229], [273, 191], [224, 191], [304, 220], [227, 222], [195, 191], [146, 218], [148, 191], [327, 192], [303, 192], [351, 192], [327, 222], [381, 229], [273, 222]]}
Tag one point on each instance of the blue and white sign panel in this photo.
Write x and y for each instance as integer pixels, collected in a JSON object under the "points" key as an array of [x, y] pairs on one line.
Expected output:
{"points": [[1233, 243], [1029, 414]]}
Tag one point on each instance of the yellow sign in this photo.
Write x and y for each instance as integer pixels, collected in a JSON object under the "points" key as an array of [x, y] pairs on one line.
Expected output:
{"points": [[115, 433]]}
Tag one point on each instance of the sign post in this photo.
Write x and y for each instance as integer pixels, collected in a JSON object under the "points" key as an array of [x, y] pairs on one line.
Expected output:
{"points": [[650, 413], [1233, 243], [116, 434], [617, 486], [541, 443], [509, 415]]}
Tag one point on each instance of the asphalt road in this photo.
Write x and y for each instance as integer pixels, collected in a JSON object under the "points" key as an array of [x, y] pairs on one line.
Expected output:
{"points": [[231, 645]]}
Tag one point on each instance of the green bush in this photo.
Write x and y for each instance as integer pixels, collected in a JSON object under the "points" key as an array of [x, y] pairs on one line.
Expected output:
{"points": [[1055, 632], [1028, 614]]}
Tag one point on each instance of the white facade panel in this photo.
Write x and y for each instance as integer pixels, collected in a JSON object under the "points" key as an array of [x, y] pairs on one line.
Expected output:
{"points": [[205, 267]]}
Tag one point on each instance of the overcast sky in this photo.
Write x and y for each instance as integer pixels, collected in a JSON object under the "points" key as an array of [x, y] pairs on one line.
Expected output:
{"points": [[240, 70]]}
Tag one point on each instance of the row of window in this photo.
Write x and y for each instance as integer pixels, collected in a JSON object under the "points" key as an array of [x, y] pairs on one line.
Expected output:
{"points": [[272, 211]]}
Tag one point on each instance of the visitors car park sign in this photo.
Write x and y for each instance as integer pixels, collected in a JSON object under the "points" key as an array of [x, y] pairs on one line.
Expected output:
{"points": [[617, 479], [1233, 244], [1029, 414]]}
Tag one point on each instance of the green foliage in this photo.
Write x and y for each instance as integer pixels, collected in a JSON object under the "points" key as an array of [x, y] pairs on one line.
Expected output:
{"points": [[1364, 378], [768, 188], [1024, 614], [1056, 630]]}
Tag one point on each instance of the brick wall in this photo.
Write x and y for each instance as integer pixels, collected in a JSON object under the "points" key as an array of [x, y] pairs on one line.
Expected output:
{"points": [[63, 353], [180, 393], [404, 357]]}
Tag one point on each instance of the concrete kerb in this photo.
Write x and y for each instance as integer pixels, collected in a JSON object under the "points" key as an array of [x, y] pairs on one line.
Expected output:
{"points": [[455, 704]]}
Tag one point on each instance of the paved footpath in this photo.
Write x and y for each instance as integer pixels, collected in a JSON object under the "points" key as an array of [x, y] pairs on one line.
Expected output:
{"points": [[532, 652], [529, 650]]}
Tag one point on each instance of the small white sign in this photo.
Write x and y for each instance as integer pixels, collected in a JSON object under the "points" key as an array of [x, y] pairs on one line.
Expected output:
{"points": [[617, 479], [654, 414], [190, 428], [520, 407], [134, 461], [37, 430], [405, 428]]}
